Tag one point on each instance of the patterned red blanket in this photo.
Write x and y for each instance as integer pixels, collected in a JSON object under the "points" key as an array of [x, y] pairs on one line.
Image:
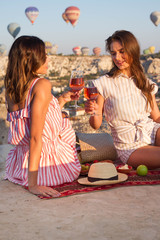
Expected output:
{"points": [[68, 189]]}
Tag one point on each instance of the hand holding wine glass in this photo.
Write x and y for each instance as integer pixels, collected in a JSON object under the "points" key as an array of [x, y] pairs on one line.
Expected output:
{"points": [[90, 93], [76, 82]]}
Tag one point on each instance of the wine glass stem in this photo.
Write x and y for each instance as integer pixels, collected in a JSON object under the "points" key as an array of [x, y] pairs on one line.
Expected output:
{"points": [[75, 104]]}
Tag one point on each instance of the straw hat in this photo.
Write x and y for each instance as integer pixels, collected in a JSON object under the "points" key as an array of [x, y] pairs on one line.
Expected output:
{"points": [[103, 174]]}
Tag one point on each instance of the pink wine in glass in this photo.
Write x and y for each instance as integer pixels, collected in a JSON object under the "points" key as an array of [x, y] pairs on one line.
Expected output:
{"points": [[90, 93], [76, 84]]}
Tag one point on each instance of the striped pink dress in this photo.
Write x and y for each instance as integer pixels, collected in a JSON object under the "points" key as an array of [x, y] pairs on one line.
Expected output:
{"points": [[58, 162], [126, 114]]}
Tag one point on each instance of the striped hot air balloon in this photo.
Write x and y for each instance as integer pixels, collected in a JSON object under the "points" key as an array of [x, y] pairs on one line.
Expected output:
{"points": [[48, 46], [77, 50], [85, 50], [97, 51], [72, 13], [32, 13]]}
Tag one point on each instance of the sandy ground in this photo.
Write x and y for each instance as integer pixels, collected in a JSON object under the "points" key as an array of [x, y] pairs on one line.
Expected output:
{"points": [[130, 213]]}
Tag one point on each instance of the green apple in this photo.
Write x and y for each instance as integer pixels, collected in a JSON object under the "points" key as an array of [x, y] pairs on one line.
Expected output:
{"points": [[142, 170], [87, 167]]}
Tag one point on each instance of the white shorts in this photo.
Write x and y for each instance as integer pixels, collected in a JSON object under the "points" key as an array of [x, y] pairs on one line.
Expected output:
{"points": [[125, 154]]}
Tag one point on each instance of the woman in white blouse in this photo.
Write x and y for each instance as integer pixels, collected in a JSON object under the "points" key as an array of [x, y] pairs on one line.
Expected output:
{"points": [[127, 99]]}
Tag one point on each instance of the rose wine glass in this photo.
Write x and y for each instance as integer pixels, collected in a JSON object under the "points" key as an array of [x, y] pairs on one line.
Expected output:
{"points": [[76, 83], [90, 92]]}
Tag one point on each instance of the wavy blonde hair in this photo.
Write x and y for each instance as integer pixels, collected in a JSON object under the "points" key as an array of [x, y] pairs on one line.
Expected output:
{"points": [[131, 47], [26, 56]]}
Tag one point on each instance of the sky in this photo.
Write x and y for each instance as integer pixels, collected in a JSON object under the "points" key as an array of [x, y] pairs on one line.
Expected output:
{"points": [[98, 20]]}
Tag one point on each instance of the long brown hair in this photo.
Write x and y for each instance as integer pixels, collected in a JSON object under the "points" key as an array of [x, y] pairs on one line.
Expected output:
{"points": [[131, 47], [25, 57]]}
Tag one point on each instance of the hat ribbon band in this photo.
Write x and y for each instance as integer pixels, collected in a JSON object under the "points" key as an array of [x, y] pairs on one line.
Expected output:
{"points": [[92, 179]]}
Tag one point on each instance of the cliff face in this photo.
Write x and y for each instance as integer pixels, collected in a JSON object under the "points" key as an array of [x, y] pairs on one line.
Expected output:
{"points": [[61, 66]]}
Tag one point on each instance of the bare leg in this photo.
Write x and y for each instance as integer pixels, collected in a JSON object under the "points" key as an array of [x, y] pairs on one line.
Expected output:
{"points": [[157, 140], [148, 155]]}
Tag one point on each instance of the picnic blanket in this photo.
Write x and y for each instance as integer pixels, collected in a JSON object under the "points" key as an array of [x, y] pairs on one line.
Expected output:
{"points": [[73, 188]]}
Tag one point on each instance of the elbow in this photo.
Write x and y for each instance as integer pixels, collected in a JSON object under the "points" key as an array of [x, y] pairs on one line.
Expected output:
{"points": [[157, 120], [94, 125], [35, 141]]}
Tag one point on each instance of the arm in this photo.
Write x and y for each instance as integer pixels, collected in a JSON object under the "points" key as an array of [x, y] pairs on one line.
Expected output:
{"points": [[41, 96], [155, 113], [97, 107]]}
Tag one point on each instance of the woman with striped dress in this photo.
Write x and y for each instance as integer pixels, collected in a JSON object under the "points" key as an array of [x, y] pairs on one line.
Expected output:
{"points": [[44, 154], [127, 99]]}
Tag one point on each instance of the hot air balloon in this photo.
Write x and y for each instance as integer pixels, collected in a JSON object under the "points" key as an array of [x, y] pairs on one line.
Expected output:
{"points": [[54, 49], [48, 47], [96, 51], [65, 17], [85, 50], [77, 50], [155, 18], [13, 29], [72, 13], [152, 49], [146, 51], [32, 13], [3, 50]]}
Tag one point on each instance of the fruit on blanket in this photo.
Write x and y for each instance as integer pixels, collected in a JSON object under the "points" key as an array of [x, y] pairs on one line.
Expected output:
{"points": [[87, 167], [95, 161], [84, 167], [124, 166], [142, 170], [87, 164]]}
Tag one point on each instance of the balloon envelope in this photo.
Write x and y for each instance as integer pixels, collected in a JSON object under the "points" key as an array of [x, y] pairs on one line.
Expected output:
{"points": [[77, 50], [48, 46], [152, 49], [72, 13], [97, 51], [13, 29], [65, 17], [32, 13], [3, 50], [155, 18], [54, 48], [146, 51], [85, 50]]}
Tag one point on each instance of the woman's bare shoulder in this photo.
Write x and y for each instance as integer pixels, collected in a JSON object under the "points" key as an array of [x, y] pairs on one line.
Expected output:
{"points": [[42, 85], [42, 90], [43, 82]]}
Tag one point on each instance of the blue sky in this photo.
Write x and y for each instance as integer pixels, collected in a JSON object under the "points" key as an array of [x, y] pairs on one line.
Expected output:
{"points": [[97, 21]]}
